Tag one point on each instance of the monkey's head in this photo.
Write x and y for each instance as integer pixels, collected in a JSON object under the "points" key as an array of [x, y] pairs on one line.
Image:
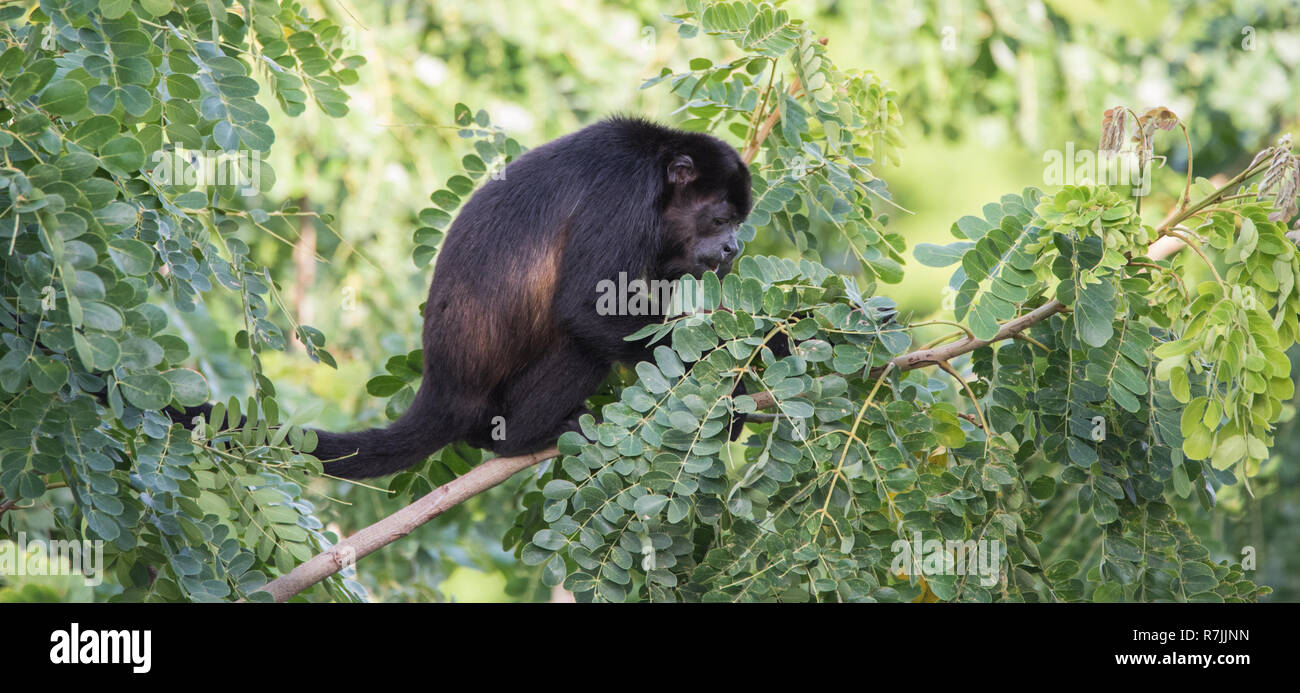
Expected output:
{"points": [[707, 199]]}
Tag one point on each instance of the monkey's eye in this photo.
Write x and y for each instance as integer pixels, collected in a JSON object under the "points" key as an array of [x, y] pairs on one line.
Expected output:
{"points": [[719, 221]]}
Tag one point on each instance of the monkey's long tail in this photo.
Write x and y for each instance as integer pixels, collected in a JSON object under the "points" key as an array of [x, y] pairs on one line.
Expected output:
{"points": [[379, 451], [370, 453]]}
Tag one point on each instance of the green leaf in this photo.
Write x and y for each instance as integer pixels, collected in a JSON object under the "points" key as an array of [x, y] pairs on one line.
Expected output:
{"points": [[1109, 592], [12, 59], [571, 443], [932, 255], [1094, 313], [138, 353], [649, 505], [47, 374], [148, 391], [384, 385], [114, 9], [559, 489], [651, 378], [158, 8], [63, 98], [123, 154], [970, 227], [95, 131], [1227, 451], [132, 256], [189, 388], [101, 316], [549, 539]]}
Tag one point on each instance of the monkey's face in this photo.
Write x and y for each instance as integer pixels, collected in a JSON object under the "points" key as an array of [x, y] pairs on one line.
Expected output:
{"points": [[702, 237], [710, 200], [713, 242]]}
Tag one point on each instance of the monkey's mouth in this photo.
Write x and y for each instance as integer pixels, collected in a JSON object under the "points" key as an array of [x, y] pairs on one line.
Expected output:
{"points": [[718, 265], [719, 268], [697, 268]]}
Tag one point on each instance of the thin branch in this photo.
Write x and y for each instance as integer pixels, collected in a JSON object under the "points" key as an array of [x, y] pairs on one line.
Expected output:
{"points": [[1187, 240], [975, 401], [402, 522], [1026, 338], [751, 150], [963, 328], [947, 352]]}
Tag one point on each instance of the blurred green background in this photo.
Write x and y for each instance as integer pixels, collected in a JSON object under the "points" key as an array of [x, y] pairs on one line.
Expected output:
{"points": [[988, 87]]}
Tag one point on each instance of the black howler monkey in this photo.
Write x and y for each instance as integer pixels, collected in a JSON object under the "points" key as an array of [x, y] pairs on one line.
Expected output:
{"points": [[511, 327]]}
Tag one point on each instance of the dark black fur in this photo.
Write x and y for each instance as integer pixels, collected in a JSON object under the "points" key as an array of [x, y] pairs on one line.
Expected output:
{"points": [[511, 327]]}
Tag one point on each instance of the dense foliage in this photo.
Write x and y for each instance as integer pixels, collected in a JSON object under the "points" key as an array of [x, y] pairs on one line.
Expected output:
{"points": [[96, 223], [1146, 388]]}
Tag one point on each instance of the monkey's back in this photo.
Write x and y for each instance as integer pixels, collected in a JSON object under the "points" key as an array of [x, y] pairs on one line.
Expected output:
{"points": [[491, 304]]}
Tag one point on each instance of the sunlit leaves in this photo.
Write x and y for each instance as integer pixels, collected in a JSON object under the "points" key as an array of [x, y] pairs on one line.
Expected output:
{"points": [[94, 236], [1116, 397], [1243, 329]]}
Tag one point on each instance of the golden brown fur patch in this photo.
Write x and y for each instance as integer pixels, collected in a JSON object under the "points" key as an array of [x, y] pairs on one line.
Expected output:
{"points": [[499, 339]]}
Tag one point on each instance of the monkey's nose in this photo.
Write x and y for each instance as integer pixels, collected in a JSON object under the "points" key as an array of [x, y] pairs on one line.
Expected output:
{"points": [[729, 250]]}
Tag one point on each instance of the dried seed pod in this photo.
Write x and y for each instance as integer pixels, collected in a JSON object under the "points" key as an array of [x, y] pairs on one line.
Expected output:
{"points": [[1114, 122], [1281, 179]]}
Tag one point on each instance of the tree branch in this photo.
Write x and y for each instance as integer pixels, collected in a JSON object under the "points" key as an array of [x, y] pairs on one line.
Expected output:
{"points": [[765, 129], [402, 522], [941, 354]]}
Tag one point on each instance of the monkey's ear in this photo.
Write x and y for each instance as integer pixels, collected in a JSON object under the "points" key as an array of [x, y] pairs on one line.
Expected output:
{"points": [[682, 170]]}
